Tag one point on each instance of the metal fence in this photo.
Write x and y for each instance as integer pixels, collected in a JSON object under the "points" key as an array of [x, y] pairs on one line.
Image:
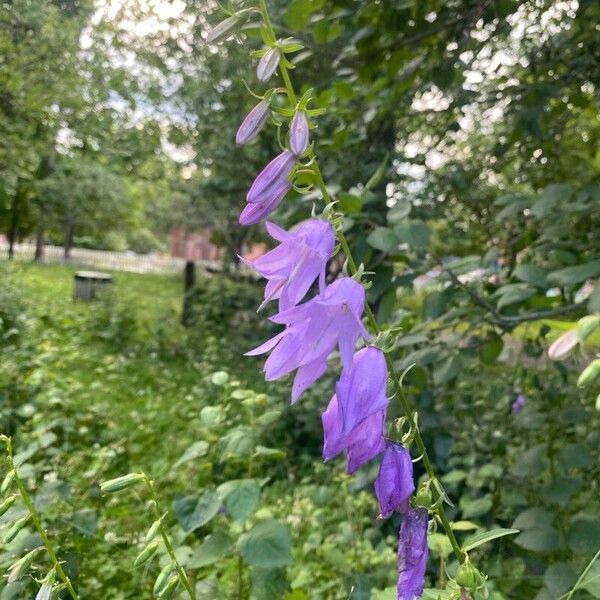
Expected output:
{"points": [[103, 259]]}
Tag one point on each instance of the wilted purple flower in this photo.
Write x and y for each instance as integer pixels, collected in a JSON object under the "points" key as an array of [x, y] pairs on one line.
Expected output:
{"points": [[268, 189], [394, 483], [253, 123], [412, 554], [518, 404], [313, 329], [299, 133], [361, 444], [300, 258], [267, 65], [360, 390]]}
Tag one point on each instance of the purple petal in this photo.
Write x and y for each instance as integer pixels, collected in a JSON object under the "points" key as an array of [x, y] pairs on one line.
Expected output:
{"points": [[306, 375], [299, 133], [255, 212], [267, 65], [271, 177], [253, 123], [412, 554], [394, 482]]}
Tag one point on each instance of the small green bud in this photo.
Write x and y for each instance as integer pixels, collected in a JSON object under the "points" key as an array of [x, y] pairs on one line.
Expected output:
{"points": [[163, 578], [169, 589], [153, 531], [587, 326], [7, 504], [18, 569], [16, 527], [423, 497], [589, 374], [224, 29], [7, 481], [466, 576], [120, 483], [148, 552], [598, 403]]}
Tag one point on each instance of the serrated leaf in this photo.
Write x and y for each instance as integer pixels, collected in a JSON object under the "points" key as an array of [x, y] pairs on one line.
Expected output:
{"points": [[487, 536]]}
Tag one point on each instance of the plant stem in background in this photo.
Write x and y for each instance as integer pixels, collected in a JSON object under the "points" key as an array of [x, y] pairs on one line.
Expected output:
{"points": [[408, 412], [35, 519]]}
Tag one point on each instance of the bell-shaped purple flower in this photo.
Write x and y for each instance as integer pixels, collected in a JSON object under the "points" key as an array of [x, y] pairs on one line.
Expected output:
{"points": [[293, 266], [299, 133], [268, 63], [394, 482], [518, 404], [252, 123], [268, 189], [360, 390], [412, 554], [361, 444], [313, 329]]}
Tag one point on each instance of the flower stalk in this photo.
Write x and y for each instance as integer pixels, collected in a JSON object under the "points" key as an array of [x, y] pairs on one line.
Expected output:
{"points": [[36, 521], [438, 493]]}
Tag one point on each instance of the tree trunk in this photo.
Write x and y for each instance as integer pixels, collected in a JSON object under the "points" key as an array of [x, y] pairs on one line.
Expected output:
{"points": [[14, 217], [40, 241], [68, 241], [189, 280]]}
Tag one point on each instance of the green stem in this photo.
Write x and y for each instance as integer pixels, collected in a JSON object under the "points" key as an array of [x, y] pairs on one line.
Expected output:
{"points": [[399, 392], [35, 519], [167, 541], [569, 595]]}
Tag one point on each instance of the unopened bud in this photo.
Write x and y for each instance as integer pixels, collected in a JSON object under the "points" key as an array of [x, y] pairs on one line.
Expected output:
{"points": [[423, 497], [16, 527], [7, 481], [120, 483], [148, 552], [7, 504], [268, 64], [587, 326], [21, 567], [589, 374], [152, 531], [224, 29], [466, 576], [563, 345], [169, 589], [162, 579]]}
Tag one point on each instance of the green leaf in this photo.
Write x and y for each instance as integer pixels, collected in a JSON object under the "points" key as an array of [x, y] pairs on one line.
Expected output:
{"points": [[196, 450], [575, 456], [514, 295], [193, 512], [531, 274], [214, 547], [399, 212], [240, 497], [439, 544], [583, 536], [552, 196], [298, 13], [559, 578], [349, 203], [540, 539], [475, 508], [574, 275], [532, 462], [532, 518], [447, 370], [383, 239], [485, 537], [560, 490], [84, 522], [591, 582], [268, 584], [266, 545], [434, 305], [413, 232], [491, 350], [594, 300]]}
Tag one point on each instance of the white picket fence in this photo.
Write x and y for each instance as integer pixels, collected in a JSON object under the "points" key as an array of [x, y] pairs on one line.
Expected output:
{"points": [[103, 259]]}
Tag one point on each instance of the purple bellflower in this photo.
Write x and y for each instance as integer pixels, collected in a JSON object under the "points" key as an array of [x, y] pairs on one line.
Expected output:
{"points": [[361, 444], [313, 329], [299, 133], [518, 404], [268, 64], [360, 390], [394, 483], [300, 258], [412, 554], [253, 123], [268, 189]]}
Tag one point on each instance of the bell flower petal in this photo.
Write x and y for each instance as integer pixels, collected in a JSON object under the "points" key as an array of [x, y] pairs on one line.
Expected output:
{"points": [[268, 64], [252, 123], [299, 133], [394, 482], [412, 554]]}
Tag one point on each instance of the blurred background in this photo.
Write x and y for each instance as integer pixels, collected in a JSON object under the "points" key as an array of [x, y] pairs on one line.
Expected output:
{"points": [[461, 141]]}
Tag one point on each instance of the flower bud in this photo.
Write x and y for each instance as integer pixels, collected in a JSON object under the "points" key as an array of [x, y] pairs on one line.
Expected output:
{"points": [[466, 576], [7, 481], [152, 531], [169, 589], [563, 345], [16, 528], [45, 592], [268, 64], [423, 497], [120, 483], [162, 579], [21, 567], [299, 133], [224, 29], [589, 374], [587, 326], [253, 123], [7, 504], [148, 552]]}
